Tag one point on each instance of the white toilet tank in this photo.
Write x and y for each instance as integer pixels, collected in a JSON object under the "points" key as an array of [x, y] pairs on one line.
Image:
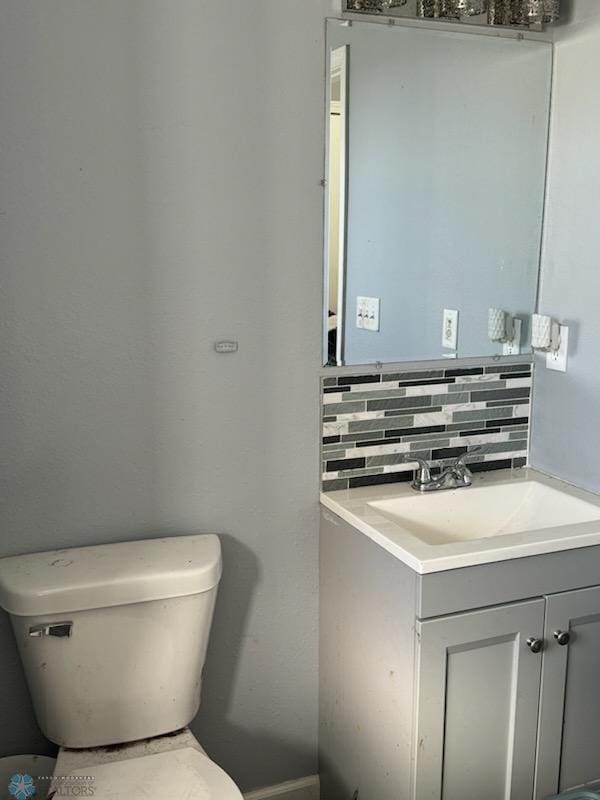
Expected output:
{"points": [[113, 638]]}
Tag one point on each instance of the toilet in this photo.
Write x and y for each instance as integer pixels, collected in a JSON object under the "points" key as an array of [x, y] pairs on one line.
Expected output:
{"points": [[113, 640]]}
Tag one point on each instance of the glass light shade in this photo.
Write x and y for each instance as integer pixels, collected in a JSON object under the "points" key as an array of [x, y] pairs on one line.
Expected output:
{"points": [[500, 12], [374, 5], [543, 11], [426, 8], [450, 9], [471, 8], [551, 11], [523, 12]]}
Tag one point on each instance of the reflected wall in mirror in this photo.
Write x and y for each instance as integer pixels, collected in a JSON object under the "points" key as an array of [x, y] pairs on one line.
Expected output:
{"points": [[436, 162]]}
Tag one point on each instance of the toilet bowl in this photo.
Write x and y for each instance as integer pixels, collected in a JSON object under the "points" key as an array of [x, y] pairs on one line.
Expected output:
{"points": [[113, 640], [167, 766]]}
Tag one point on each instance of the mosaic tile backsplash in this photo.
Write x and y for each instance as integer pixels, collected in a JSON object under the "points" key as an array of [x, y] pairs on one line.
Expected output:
{"points": [[372, 421]]}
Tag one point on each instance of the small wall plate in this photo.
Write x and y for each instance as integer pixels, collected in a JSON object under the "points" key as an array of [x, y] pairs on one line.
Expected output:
{"points": [[513, 347], [557, 359], [226, 347]]}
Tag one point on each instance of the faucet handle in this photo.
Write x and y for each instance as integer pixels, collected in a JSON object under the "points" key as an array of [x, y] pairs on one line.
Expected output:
{"points": [[461, 461], [462, 472], [423, 474]]}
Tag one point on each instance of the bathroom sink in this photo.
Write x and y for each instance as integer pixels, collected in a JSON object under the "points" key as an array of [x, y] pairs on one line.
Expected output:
{"points": [[484, 511], [504, 515]]}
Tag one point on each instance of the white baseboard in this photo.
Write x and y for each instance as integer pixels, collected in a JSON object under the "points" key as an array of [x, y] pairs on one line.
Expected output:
{"points": [[301, 789]]}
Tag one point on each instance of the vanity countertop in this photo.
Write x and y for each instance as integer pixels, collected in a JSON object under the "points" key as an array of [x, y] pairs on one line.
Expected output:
{"points": [[504, 515]]}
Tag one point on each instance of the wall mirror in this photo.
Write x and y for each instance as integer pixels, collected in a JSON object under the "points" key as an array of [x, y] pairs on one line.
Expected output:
{"points": [[436, 164]]}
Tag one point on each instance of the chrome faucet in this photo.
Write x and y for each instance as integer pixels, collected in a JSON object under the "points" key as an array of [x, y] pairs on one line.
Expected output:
{"points": [[455, 476]]}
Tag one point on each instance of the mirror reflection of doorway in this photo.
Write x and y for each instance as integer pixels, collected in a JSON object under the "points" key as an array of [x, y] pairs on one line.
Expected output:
{"points": [[336, 211]]}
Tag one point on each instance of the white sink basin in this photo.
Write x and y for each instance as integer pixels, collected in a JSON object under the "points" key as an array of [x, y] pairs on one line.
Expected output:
{"points": [[483, 511], [504, 515]]}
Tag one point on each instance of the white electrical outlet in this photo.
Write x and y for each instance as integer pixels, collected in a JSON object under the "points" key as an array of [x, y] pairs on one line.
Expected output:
{"points": [[367, 313], [557, 359], [513, 347], [450, 329]]}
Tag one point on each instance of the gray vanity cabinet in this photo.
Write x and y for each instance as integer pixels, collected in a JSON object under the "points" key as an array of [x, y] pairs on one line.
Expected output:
{"points": [[569, 721], [431, 686], [477, 700]]}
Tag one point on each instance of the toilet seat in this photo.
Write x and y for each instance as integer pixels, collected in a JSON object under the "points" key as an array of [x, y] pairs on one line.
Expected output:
{"points": [[183, 774]]}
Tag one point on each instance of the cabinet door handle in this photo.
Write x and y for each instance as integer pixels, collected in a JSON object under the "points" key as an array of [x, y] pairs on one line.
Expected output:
{"points": [[535, 645], [562, 637]]}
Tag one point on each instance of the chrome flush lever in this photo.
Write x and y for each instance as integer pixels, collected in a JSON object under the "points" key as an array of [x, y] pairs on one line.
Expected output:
{"points": [[61, 630]]}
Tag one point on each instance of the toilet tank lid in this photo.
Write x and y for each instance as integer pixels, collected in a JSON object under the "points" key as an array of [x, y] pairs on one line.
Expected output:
{"points": [[83, 578]]}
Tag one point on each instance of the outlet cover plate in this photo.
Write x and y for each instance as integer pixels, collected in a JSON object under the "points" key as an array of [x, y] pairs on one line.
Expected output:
{"points": [[513, 348], [450, 329], [557, 359]]}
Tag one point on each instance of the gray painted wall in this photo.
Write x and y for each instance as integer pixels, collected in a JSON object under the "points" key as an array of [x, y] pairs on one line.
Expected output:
{"points": [[566, 409], [159, 189], [437, 115]]}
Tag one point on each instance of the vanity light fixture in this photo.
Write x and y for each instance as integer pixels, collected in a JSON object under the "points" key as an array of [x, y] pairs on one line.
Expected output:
{"points": [[499, 12]]}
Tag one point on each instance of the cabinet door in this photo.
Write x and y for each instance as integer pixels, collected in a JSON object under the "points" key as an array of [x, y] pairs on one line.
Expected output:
{"points": [[569, 738], [477, 704]]}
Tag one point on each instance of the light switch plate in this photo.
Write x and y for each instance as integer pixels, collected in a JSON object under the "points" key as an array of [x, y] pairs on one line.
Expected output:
{"points": [[513, 348], [367, 313], [557, 359], [450, 329]]}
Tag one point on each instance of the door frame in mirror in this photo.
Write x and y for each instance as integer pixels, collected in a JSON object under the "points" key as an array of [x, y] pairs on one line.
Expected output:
{"points": [[337, 68]]}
